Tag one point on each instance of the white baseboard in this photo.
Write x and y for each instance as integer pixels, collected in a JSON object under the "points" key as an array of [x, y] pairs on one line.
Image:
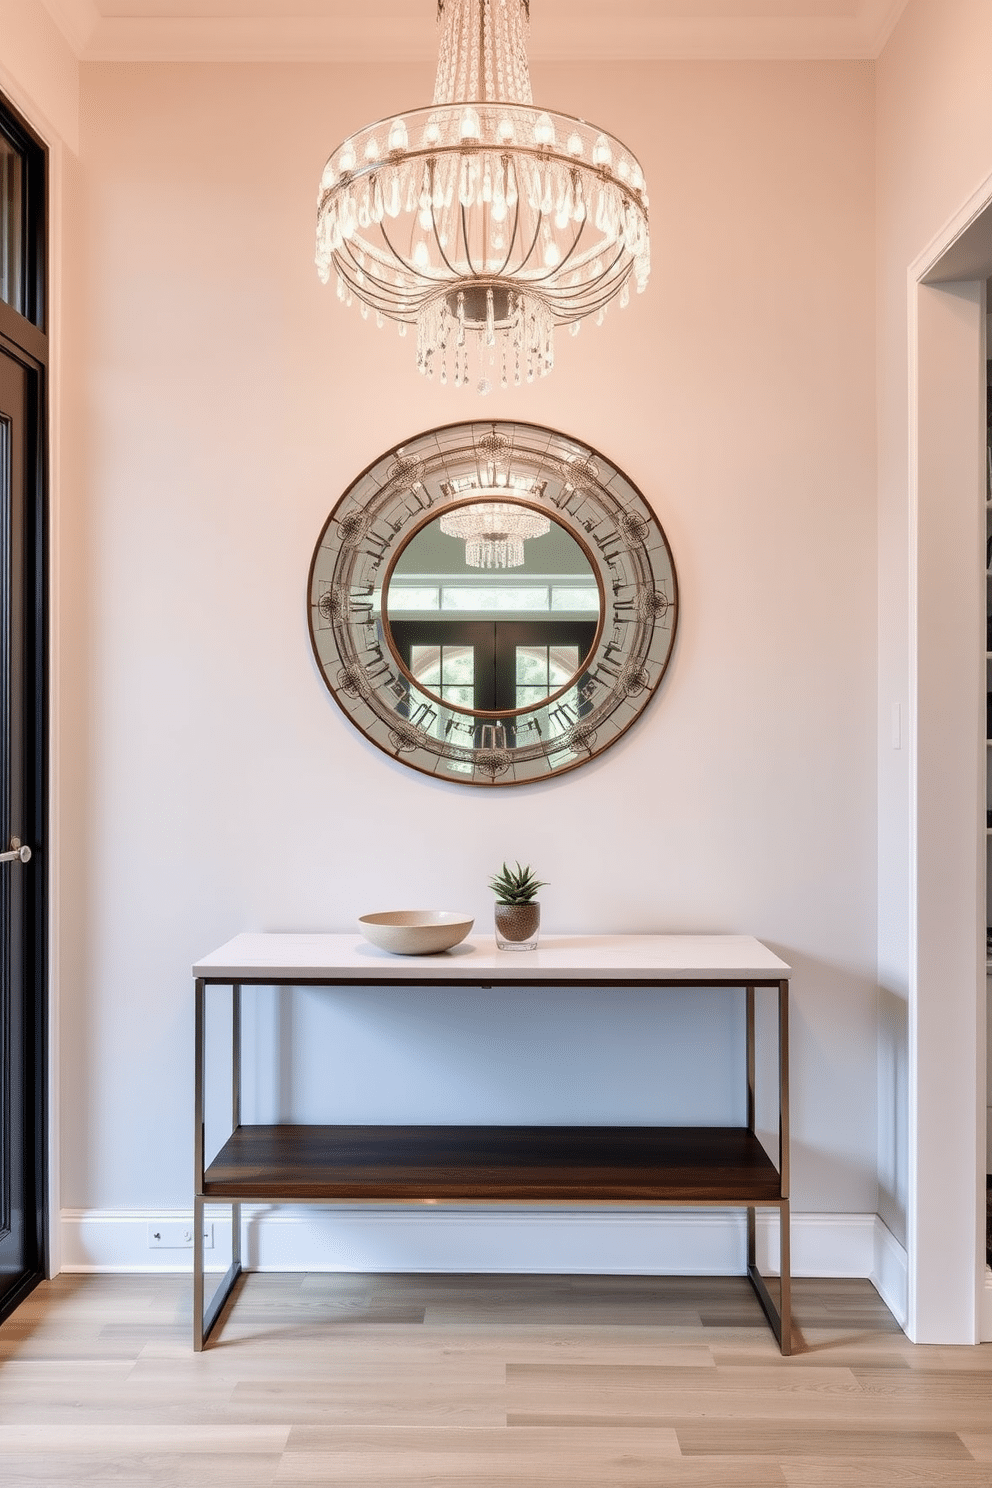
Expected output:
{"points": [[985, 1317], [890, 1272], [686, 1242]]}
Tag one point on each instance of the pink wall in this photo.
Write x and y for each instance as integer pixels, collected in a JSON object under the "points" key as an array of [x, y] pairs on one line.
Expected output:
{"points": [[38, 70], [217, 401], [227, 399]]}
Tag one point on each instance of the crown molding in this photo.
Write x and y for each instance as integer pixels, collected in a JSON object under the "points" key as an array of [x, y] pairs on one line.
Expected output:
{"points": [[585, 33], [881, 20], [77, 20]]}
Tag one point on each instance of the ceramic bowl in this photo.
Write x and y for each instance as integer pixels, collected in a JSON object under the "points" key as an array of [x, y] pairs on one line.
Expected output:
{"points": [[416, 932]]}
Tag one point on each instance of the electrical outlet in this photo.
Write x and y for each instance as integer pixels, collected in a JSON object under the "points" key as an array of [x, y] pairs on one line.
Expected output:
{"points": [[177, 1234]]}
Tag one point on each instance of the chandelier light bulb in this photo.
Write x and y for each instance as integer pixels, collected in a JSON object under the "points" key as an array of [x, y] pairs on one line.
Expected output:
{"points": [[398, 139], [469, 221]]}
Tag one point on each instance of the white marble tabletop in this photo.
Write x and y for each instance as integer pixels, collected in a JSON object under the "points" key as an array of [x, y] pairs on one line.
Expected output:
{"points": [[676, 958]]}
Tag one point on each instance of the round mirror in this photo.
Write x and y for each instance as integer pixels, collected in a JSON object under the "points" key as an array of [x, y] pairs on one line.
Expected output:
{"points": [[492, 603], [493, 608]]}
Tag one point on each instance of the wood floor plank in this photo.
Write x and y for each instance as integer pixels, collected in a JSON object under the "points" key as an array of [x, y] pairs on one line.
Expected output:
{"points": [[550, 1460], [868, 1352], [139, 1470], [408, 1400], [946, 1360], [901, 1472], [979, 1443], [787, 1414], [421, 1346], [575, 1312], [466, 1457], [727, 1379], [185, 1375], [102, 1440], [410, 1381], [803, 1439]]}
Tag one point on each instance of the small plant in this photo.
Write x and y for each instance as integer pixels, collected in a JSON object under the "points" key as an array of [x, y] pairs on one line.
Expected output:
{"points": [[518, 887]]}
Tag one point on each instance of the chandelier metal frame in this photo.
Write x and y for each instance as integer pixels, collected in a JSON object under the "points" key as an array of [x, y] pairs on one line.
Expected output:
{"points": [[486, 222]]}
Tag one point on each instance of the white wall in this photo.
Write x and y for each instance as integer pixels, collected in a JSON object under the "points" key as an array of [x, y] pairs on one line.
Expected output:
{"points": [[946, 1168], [222, 400], [934, 151]]}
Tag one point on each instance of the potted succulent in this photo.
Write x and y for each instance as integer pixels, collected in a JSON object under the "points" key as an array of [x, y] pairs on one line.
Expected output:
{"points": [[518, 914]]}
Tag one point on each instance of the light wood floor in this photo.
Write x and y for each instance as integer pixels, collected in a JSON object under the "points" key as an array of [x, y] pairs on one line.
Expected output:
{"points": [[461, 1380]]}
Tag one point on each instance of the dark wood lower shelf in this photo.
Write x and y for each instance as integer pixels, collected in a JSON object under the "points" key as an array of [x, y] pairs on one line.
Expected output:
{"points": [[591, 1164]]}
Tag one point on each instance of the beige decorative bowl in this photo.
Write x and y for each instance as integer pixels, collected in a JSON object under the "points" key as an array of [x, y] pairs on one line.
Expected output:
{"points": [[416, 932]]}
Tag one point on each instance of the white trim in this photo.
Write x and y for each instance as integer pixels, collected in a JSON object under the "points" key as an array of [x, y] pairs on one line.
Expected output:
{"points": [[66, 106], [913, 969], [688, 1242], [17, 95], [926, 261], [985, 1309], [884, 24], [624, 34], [890, 1272], [918, 273], [56, 165], [76, 19]]}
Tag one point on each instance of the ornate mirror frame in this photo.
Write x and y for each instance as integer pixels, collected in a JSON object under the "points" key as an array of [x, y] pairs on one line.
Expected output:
{"points": [[578, 488]]}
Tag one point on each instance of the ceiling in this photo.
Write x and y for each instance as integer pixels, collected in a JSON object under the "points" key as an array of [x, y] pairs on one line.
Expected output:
{"points": [[567, 30]]}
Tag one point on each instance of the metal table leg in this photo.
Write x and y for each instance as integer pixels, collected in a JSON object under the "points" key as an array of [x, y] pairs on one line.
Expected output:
{"points": [[203, 1322], [779, 1317], [785, 1228]]}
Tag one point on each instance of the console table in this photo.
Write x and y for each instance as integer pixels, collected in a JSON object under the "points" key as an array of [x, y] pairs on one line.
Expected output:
{"points": [[719, 1166]]}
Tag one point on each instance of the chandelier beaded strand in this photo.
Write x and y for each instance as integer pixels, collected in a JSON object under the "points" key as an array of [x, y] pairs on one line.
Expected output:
{"points": [[494, 532], [483, 221]]}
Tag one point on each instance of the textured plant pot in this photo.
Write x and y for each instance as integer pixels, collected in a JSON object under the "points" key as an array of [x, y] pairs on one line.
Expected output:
{"points": [[517, 926]]}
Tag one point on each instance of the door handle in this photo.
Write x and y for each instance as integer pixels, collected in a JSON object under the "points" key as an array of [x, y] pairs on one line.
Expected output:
{"points": [[16, 853]]}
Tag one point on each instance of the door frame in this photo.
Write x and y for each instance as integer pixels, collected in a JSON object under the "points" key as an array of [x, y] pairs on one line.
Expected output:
{"points": [[949, 1298], [27, 343]]}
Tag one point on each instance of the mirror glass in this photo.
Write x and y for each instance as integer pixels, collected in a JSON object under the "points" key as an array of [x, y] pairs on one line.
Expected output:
{"points": [[492, 608], [492, 603]]}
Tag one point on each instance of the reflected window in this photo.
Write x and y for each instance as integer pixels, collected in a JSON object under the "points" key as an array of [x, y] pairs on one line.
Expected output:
{"points": [[446, 671], [12, 244], [542, 670], [407, 597], [486, 598], [585, 599], [22, 219]]}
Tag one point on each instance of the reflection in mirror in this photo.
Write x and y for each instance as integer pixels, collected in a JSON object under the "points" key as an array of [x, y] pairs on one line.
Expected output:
{"points": [[492, 608], [492, 603]]}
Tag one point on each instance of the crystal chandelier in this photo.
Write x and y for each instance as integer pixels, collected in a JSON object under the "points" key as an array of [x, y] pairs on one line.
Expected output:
{"points": [[483, 221], [494, 532]]}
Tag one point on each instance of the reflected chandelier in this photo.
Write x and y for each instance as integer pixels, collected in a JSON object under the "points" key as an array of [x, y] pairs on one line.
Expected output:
{"points": [[483, 221], [494, 532]]}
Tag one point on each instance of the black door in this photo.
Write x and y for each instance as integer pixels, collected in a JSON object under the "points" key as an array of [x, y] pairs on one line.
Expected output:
{"points": [[22, 890], [498, 684], [23, 708]]}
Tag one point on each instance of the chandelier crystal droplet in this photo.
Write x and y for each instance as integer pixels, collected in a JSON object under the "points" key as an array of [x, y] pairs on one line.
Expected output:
{"points": [[483, 221]]}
